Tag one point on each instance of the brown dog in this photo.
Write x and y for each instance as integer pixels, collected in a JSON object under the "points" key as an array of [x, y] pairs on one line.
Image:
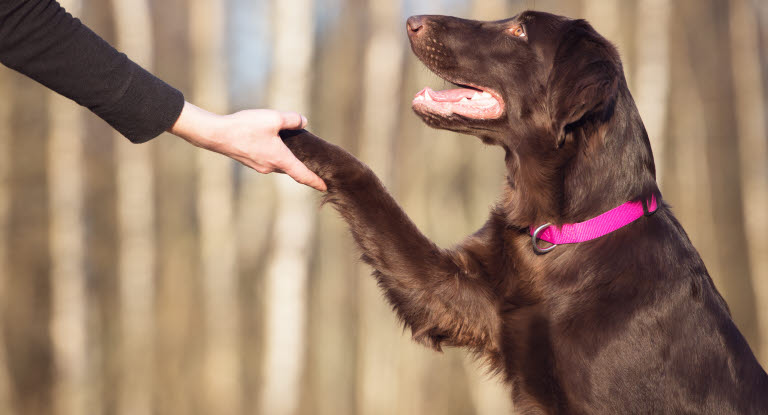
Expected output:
{"points": [[628, 323]]}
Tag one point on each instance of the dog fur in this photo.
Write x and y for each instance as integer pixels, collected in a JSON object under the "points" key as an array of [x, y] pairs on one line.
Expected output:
{"points": [[629, 323]]}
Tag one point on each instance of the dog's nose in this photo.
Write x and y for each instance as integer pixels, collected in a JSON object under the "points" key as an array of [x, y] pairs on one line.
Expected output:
{"points": [[415, 24]]}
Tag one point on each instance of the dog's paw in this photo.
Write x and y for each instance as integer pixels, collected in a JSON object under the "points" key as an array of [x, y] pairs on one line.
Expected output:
{"points": [[332, 163]]}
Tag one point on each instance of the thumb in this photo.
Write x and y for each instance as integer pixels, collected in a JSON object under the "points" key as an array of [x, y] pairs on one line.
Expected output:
{"points": [[292, 120], [299, 172]]}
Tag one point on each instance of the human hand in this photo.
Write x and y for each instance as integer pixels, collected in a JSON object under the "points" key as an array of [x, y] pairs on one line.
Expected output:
{"points": [[250, 137]]}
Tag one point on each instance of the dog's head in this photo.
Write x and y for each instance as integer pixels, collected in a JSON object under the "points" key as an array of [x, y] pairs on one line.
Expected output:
{"points": [[551, 91], [531, 78]]}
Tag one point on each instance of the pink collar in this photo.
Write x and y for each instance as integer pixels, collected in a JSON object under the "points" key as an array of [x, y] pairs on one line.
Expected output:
{"points": [[571, 233]]}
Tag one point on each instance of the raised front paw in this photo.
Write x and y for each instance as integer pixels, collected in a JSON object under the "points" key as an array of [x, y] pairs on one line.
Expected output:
{"points": [[332, 163]]}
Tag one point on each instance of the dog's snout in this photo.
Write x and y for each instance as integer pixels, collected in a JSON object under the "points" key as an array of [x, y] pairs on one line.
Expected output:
{"points": [[415, 24]]}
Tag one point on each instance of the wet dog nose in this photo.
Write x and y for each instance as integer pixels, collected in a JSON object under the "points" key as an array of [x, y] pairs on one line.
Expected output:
{"points": [[415, 24]]}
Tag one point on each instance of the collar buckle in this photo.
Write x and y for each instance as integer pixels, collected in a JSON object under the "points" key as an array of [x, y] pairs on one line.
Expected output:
{"points": [[535, 240]]}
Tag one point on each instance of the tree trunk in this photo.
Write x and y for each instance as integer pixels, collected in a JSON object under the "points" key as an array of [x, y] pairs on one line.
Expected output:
{"points": [[256, 196], [709, 50], [136, 221], [249, 29], [651, 87], [379, 350], [332, 360], [69, 326], [286, 276], [750, 109], [26, 311], [178, 293], [100, 235], [687, 183], [604, 16], [70, 313], [6, 405], [761, 15], [216, 217]]}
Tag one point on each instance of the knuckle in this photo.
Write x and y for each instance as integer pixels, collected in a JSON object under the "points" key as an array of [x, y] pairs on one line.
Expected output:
{"points": [[274, 117], [269, 119]]}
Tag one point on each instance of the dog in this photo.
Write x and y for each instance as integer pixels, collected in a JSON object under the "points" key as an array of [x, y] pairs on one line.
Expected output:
{"points": [[628, 322]]}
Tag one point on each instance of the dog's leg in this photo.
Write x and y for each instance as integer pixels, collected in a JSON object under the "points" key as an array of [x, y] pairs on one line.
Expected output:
{"points": [[442, 295]]}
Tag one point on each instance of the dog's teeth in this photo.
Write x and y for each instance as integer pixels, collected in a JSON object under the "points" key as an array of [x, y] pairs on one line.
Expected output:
{"points": [[486, 95], [464, 100], [426, 96], [476, 96]]}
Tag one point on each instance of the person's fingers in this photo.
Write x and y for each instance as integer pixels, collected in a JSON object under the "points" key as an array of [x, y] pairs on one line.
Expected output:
{"points": [[299, 172], [292, 121]]}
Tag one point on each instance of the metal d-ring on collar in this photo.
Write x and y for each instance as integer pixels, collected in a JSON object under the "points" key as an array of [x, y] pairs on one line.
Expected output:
{"points": [[535, 240]]}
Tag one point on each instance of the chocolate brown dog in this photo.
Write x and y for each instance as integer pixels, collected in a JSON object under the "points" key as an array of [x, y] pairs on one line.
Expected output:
{"points": [[628, 323]]}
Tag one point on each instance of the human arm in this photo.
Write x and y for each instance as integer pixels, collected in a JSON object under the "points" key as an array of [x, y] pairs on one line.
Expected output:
{"points": [[38, 38]]}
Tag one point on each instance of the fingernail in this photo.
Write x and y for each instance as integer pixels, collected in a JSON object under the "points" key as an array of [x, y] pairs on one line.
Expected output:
{"points": [[303, 120]]}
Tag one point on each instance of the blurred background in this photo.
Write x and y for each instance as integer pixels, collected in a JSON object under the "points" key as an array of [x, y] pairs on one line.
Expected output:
{"points": [[161, 279]]}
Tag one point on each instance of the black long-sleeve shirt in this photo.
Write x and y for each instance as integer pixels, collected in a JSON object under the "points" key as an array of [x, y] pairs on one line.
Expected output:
{"points": [[41, 40]]}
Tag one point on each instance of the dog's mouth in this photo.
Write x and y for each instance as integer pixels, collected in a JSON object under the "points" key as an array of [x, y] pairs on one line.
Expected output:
{"points": [[467, 101]]}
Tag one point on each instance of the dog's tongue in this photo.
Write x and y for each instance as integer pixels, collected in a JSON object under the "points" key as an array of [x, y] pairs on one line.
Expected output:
{"points": [[448, 95], [463, 101]]}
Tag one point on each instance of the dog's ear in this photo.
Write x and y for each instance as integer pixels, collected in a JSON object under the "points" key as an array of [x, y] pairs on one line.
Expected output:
{"points": [[584, 78]]}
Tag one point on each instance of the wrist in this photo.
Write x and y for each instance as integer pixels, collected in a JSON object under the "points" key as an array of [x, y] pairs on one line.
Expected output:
{"points": [[197, 126]]}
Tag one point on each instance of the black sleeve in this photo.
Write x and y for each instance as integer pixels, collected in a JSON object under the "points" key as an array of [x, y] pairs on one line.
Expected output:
{"points": [[41, 40]]}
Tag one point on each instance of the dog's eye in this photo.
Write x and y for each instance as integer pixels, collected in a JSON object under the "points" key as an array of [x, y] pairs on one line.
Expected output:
{"points": [[517, 31]]}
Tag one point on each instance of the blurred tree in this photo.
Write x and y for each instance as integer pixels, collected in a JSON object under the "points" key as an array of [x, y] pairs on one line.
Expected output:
{"points": [[687, 174], [333, 281], [250, 25], [761, 15], [382, 388], [216, 217], [75, 373], [6, 405], [651, 82], [294, 221], [750, 106], [100, 230], [27, 309], [179, 317], [713, 77], [136, 225]]}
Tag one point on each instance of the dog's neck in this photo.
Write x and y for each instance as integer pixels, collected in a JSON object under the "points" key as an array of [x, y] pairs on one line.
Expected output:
{"points": [[572, 184]]}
